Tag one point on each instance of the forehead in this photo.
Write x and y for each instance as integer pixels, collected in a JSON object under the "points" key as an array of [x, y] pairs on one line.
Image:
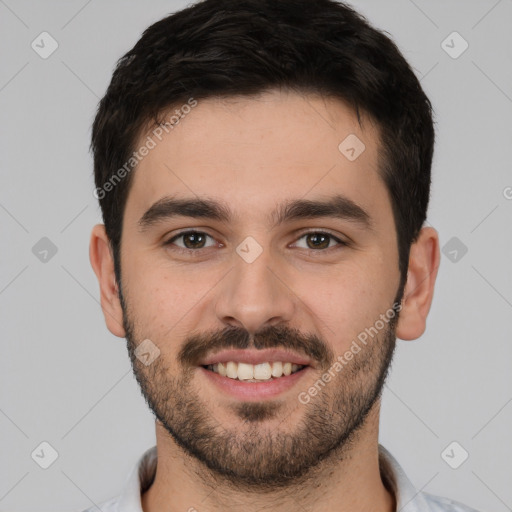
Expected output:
{"points": [[253, 152]]}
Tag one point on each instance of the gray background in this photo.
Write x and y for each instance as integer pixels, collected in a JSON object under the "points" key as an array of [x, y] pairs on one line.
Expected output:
{"points": [[67, 381]]}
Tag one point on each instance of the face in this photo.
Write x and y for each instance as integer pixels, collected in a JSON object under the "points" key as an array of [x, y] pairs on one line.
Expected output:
{"points": [[254, 271]]}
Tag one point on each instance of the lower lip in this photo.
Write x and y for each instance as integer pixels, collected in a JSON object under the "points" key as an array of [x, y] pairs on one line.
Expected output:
{"points": [[254, 390]]}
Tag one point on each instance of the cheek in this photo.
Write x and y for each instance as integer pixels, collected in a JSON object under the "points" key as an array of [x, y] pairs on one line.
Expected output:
{"points": [[166, 300], [347, 302], [151, 291]]}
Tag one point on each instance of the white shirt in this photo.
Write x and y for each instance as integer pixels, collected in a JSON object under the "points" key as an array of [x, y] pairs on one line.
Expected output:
{"points": [[407, 497]]}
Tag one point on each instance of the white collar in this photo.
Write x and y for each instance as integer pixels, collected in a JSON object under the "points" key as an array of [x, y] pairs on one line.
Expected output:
{"points": [[408, 498]]}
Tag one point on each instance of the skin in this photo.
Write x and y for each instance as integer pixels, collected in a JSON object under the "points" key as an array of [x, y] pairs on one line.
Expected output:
{"points": [[253, 153]]}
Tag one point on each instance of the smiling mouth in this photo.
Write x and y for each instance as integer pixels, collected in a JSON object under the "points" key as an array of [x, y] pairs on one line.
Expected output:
{"points": [[262, 372]]}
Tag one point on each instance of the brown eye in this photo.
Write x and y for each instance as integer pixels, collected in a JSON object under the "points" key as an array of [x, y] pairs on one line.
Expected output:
{"points": [[318, 240], [192, 240]]}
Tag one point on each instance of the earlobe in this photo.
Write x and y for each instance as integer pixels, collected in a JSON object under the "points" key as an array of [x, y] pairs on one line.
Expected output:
{"points": [[102, 263], [424, 262]]}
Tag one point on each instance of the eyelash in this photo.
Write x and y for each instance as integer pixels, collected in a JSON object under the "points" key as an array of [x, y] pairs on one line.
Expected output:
{"points": [[197, 251]]}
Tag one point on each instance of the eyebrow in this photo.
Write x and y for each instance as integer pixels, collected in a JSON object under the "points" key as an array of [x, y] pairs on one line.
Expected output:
{"points": [[338, 206]]}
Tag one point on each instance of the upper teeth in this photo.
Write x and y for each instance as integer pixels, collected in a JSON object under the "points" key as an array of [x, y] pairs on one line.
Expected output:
{"points": [[262, 371]]}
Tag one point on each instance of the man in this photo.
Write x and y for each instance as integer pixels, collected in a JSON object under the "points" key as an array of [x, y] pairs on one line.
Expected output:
{"points": [[263, 169]]}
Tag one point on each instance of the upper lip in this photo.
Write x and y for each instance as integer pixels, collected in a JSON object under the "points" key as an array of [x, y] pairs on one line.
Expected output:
{"points": [[251, 356]]}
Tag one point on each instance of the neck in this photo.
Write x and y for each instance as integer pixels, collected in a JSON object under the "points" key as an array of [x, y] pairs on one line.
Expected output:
{"points": [[348, 480]]}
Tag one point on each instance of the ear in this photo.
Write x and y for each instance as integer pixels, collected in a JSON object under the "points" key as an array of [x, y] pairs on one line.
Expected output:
{"points": [[102, 262], [424, 259]]}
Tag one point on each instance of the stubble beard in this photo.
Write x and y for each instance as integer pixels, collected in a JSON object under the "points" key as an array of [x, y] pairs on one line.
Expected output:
{"points": [[248, 454]]}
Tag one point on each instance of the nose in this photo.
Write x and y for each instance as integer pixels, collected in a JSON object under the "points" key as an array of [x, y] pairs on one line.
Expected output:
{"points": [[255, 294]]}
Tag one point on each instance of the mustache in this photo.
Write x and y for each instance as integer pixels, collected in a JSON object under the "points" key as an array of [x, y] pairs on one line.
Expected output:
{"points": [[198, 346]]}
